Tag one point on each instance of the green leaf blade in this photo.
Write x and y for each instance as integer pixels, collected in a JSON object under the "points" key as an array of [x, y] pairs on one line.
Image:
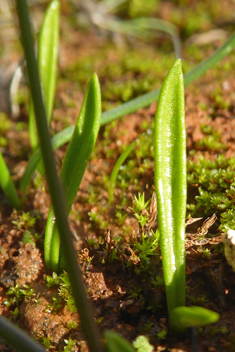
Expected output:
{"points": [[77, 155], [47, 62], [83, 140], [171, 182], [48, 54]]}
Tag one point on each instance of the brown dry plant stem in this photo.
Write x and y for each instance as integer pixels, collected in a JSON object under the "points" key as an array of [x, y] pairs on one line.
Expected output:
{"points": [[58, 200]]}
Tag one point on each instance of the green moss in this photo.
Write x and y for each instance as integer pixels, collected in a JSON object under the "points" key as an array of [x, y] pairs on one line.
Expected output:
{"points": [[17, 294], [212, 141], [64, 291], [46, 342], [214, 182], [218, 99], [126, 75], [25, 220]]}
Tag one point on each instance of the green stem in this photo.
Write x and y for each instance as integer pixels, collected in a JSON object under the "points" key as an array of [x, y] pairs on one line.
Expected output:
{"points": [[58, 199]]}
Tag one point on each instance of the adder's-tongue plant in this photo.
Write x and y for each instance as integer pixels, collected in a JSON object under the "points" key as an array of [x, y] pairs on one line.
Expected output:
{"points": [[74, 165], [48, 48], [171, 183], [171, 187]]}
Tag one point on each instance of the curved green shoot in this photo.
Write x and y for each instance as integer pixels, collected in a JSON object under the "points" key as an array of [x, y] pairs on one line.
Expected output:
{"points": [[116, 343], [47, 62], [74, 164], [143, 101], [182, 318], [7, 184], [171, 183], [17, 338], [116, 168]]}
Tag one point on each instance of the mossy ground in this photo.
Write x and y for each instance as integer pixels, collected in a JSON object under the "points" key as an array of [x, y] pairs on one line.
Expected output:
{"points": [[121, 260]]}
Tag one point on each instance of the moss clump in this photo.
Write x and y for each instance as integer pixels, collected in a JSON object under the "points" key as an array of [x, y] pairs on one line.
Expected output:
{"points": [[215, 185], [212, 139]]}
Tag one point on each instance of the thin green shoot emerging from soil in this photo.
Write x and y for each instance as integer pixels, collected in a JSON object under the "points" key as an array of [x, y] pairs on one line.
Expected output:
{"points": [[74, 165], [48, 47], [116, 168], [170, 182], [171, 186]]}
